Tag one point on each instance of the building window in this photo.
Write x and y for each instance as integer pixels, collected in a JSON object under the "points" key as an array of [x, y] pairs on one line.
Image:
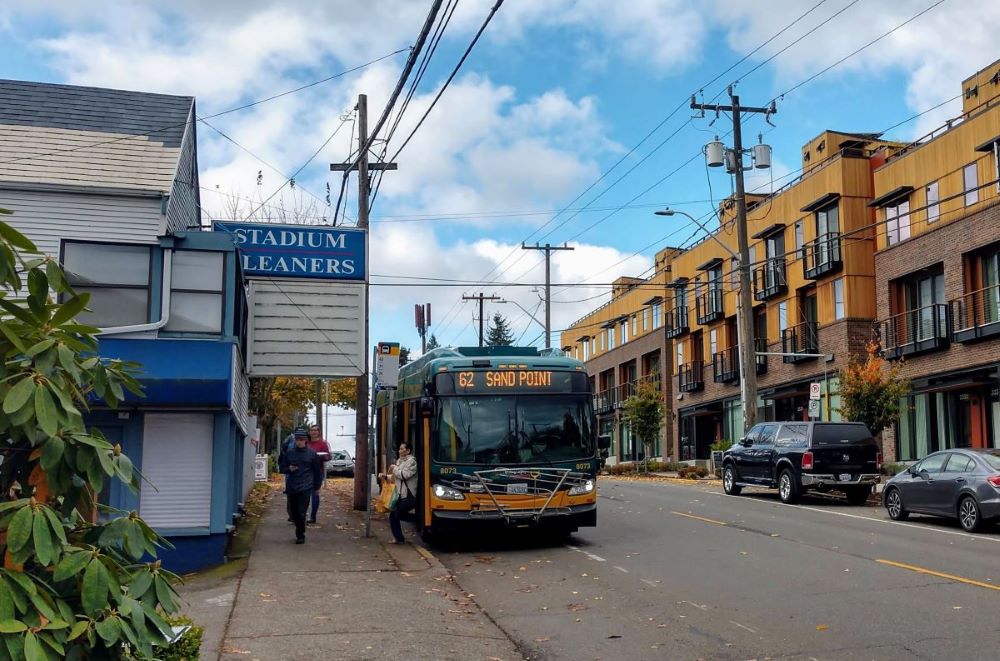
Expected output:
{"points": [[933, 202], [713, 341], [117, 279], [635, 325], [196, 292], [624, 332], [657, 318], [611, 338], [680, 354], [734, 273], [782, 317], [970, 176], [603, 335], [586, 350], [897, 222], [839, 309], [645, 319], [799, 240], [593, 346]]}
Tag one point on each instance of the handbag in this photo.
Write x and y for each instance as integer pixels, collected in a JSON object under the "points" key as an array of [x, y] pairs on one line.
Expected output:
{"points": [[387, 497]]}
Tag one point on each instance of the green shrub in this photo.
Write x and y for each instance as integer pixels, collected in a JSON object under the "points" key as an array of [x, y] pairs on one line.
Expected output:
{"points": [[893, 469], [186, 647], [621, 468], [721, 446], [692, 472]]}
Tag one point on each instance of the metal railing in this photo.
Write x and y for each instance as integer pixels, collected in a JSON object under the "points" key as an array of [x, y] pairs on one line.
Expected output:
{"points": [[976, 314], [708, 306], [821, 256], [916, 331], [615, 396], [677, 321], [726, 365], [801, 338], [770, 279], [691, 376]]}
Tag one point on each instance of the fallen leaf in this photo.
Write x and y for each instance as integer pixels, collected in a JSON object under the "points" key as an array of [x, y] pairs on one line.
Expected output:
{"points": [[543, 639], [576, 608], [821, 627]]}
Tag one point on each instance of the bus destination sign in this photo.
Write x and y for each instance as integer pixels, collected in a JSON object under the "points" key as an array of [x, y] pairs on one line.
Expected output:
{"points": [[509, 381]]}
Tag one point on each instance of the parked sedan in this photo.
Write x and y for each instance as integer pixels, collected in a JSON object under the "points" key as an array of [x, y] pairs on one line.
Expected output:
{"points": [[340, 463], [958, 484]]}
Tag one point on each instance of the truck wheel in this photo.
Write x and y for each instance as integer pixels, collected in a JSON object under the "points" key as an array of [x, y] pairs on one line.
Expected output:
{"points": [[729, 481], [788, 487]]}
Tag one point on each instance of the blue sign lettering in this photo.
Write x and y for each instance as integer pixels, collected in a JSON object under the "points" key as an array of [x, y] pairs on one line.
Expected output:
{"points": [[298, 251]]}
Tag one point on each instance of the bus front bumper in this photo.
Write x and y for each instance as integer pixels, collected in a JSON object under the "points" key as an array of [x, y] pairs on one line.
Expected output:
{"points": [[560, 518]]}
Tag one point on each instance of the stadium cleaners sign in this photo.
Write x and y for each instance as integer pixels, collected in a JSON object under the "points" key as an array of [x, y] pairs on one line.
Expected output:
{"points": [[298, 251]]}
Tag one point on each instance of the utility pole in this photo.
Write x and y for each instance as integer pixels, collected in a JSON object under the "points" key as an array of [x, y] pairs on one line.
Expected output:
{"points": [[362, 486], [744, 304], [549, 249], [481, 298]]}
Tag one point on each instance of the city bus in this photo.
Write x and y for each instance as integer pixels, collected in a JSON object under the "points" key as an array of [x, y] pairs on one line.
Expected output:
{"points": [[503, 436]]}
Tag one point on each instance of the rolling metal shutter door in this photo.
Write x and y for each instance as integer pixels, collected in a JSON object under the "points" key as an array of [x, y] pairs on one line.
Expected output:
{"points": [[177, 463]]}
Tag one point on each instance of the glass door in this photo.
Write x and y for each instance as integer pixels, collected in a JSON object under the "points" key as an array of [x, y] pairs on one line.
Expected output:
{"points": [[991, 290], [827, 222]]}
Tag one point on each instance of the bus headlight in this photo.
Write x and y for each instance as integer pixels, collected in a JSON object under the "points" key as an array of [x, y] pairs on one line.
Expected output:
{"points": [[447, 493], [581, 489]]}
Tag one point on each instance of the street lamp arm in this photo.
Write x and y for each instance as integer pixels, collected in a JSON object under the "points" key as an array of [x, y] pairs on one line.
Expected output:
{"points": [[524, 310], [671, 212]]}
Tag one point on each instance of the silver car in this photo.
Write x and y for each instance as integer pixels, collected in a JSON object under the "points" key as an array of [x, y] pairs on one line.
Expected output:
{"points": [[958, 484], [340, 463]]}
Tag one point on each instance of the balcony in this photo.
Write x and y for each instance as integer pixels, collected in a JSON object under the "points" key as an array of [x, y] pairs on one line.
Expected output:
{"points": [[708, 306], [726, 363], [616, 396], [976, 315], [916, 331], [606, 401], [769, 280], [802, 338], [691, 376], [821, 256], [677, 321]]}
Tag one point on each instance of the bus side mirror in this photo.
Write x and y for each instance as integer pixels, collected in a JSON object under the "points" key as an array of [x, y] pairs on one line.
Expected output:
{"points": [[426, 406], [604, 442]]}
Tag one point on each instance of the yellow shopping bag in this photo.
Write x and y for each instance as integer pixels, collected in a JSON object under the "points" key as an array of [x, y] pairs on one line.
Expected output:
{"points": [[387, 497]]}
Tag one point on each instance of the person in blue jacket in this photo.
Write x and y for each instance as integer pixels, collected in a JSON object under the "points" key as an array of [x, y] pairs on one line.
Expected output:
{"points": [[303, 471]]}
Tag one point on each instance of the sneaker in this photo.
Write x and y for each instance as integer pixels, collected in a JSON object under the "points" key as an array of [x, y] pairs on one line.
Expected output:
{"points": [[300, 540]]}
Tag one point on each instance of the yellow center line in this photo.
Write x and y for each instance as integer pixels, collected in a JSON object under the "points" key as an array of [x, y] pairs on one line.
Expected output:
{"points": [[700, 518], [931, 572]]}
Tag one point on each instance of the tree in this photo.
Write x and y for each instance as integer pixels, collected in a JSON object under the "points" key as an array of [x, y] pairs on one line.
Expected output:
{"points": [[404, 355], [433, 343], [643, 412], [72, 586], [499, 333], [870, 392], [279, 399]]}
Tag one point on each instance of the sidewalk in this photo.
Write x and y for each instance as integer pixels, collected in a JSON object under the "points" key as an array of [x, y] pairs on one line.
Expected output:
{"points": [[339, 596]]}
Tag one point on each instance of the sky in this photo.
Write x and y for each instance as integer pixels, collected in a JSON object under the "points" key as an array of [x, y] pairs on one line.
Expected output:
{"points": [[568, 123]]}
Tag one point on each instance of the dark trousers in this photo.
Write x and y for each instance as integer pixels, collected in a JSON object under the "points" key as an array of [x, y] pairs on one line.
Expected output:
{"points": [[403, 505], [298, 507], [315, 506]]}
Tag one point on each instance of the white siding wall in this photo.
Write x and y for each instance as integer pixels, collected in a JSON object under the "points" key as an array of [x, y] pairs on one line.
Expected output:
{"points": [[177, 464], [46, 218], [241, 392]]}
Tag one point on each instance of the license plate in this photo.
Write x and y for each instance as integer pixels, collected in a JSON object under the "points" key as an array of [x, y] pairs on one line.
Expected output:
{"points": [[844, 477], [517, 487]]}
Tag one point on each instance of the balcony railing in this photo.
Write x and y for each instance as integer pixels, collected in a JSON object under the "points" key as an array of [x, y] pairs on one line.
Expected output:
{"points": [[726, 363], [769, 279], [802, 338], [614, 397], [691, 376], [916, 331], [677, 321], [709, 306], [821, 256], [976, 315]]}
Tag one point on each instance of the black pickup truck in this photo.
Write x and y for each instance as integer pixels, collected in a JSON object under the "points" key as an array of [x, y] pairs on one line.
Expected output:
{"points": [[794, 457]]}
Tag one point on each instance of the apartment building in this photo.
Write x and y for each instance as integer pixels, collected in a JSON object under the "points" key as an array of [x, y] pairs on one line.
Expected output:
{"points": [[623, 344], [937, 276]]}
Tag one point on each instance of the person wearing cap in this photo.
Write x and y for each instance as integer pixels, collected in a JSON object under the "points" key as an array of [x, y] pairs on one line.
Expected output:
{"points": [[304, 474], [322, 448], [287, 445]]}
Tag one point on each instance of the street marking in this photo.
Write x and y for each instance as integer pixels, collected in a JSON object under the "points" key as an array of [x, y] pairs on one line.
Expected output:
{"points": [[985, 538], [931, 572], [621, 569], [691, 603], [742, 626], [649, 582], [700, 518], [589, 555]]}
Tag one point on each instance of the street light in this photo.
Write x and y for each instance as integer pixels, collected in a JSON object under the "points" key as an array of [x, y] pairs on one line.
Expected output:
{"points": [[667, 211]]}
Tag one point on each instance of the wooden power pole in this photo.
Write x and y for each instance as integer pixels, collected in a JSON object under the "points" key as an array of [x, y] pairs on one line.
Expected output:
{"points": [[548, 248], [480, 298]]}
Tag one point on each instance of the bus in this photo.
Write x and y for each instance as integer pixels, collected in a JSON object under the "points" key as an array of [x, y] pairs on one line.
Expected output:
{"points": [[503, 436]]}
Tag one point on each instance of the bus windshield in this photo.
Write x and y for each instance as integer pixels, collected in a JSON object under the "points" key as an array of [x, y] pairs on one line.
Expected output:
{"points": [[513, 429]]}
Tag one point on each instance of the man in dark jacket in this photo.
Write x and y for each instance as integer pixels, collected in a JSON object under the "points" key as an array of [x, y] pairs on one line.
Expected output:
{"points": [[303, 471]]}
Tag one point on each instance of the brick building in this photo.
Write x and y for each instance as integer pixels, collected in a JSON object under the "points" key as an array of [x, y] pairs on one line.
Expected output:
{"points": [[937, 270]]}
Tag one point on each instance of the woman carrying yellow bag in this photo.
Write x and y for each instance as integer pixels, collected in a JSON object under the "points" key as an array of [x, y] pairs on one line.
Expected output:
{"points": [[387, 496], [402, 472]]}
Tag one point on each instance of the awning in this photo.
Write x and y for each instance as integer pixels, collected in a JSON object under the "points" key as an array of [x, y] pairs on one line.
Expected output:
{"points": [[821, 202], [583, 338], [892, 197], [715, 261], [769, 230], [655, 299]]}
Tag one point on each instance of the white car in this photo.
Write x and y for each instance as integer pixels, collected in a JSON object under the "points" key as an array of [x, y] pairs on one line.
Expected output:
{"points": [[340, 463]]}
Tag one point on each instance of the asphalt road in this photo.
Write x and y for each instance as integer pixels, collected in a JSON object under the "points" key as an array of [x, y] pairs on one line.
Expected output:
{"points": [[685, 572]]}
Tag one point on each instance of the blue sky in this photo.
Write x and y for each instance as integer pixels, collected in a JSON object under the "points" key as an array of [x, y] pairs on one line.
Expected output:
{"points": [[556, 92]]}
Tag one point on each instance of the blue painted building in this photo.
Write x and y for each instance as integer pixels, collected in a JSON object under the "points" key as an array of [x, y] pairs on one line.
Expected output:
{"points": [[107, 181]]}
